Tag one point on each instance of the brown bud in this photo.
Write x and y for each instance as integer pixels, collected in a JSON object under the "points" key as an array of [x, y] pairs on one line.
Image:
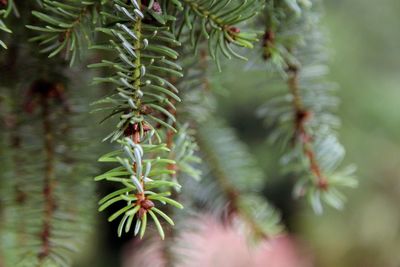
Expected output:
{"points": [[269, 37], [234, 29], [147, 204], [303, 115], [172, 167], [323, 184]]}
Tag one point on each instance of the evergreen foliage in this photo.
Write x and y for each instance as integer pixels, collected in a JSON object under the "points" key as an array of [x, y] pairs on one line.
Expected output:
{"points": [[169, 148], [301, 116]]}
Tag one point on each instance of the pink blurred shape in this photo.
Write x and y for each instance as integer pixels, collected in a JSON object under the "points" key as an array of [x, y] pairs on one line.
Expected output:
{"points": [[217, 245], [213, 244]]}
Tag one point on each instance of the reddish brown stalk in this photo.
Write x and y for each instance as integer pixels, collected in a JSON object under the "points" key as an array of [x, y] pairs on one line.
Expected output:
{"points": [[268, 43], [41, 94], [302, 115], [49, 179]]}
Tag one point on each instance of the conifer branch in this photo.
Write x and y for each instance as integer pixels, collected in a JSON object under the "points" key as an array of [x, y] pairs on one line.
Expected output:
{"points": [[146, 112], [217, 23], [68, 27], [48, 182], [300, 128], [43, 210], [293, 44]]}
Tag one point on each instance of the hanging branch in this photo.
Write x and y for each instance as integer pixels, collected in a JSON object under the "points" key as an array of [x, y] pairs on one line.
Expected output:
{"points": [[301, 133], [48, 182], [294, 46], [68, 27], [53, 226], [144, 45], [216, 22]]}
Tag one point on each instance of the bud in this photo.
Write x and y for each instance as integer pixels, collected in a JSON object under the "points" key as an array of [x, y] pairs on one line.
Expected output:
{"points": [[323, 184], [234, 29], [147, 204]]}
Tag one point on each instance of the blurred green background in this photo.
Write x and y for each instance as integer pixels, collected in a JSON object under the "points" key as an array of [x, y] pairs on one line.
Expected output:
{"points": [[365, 62]]}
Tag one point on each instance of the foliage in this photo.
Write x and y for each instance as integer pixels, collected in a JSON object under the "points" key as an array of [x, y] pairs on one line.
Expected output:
{"points": [[165, 126], [302, 116], [68, 27]]}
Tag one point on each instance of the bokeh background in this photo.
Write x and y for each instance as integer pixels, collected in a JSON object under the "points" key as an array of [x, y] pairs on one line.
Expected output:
{"points": [[365, 62]]}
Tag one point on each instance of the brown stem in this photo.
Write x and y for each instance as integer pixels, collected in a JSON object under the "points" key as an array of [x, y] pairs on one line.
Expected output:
{"points": [[301, 134], [49, 182]]}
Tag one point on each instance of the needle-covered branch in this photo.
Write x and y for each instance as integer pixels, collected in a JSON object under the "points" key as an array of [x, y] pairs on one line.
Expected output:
{"points": [[302, 118], [144, 104], [218, 22], [66, 27]]}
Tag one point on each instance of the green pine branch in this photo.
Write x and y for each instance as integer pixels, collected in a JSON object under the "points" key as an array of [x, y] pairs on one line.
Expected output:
{"points": [[218, 22], [48, 201], [144, 104], [303, 119], [66, 27]]}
